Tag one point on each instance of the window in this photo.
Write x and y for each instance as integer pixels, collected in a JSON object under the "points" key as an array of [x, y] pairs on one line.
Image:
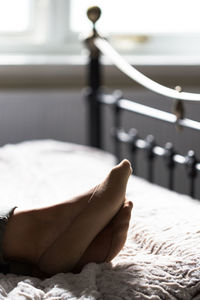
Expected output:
{"points": [[36, 26], [16, 23], [140, 16], [145, 26], [19, 20], [139, 27]]}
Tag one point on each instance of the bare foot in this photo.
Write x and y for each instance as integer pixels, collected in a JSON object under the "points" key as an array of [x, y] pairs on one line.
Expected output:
{"points": [[109, 242], [66, 251]]}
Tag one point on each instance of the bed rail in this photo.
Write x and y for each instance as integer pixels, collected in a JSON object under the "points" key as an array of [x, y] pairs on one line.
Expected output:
{"points": [[96, 98]]}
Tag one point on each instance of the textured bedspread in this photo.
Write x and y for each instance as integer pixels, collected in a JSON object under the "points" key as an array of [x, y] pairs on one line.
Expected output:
{"points": [[161, 259]]}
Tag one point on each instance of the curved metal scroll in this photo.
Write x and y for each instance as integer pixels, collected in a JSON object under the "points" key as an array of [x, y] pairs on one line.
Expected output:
{"points": [[137, 76]]}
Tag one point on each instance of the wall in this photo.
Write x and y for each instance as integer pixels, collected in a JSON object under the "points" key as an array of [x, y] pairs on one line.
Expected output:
{"points": [[42, 114]]}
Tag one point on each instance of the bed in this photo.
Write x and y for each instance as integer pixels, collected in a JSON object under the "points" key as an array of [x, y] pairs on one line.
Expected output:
{"points": [[161, 258]]}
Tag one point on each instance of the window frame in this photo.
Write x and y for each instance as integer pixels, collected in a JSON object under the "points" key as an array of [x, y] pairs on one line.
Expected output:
{"points": [[60, 39]]}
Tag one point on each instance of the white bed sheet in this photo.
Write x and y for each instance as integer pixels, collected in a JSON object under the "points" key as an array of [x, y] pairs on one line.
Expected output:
{"points": [[161, 257]]}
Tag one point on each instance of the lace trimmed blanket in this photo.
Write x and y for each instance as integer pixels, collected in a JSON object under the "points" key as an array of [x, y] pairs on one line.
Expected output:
{"points": [[161, 258]]}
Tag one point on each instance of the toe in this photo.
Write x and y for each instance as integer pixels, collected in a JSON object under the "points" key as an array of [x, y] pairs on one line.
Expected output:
{"points": [[125, 163], [128, 203], [122, 219], [123, 169], [126, 215], [120, 225]]}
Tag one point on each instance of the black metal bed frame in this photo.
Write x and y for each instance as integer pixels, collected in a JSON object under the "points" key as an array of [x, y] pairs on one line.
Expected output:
{"points": [[96, 98]]}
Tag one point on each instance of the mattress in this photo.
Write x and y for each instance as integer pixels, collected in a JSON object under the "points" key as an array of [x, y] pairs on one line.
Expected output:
{"points": [[160, 259]]}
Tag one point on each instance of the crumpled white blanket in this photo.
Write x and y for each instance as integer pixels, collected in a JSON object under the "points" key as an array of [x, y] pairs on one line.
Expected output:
{"points": [[161, 258]]}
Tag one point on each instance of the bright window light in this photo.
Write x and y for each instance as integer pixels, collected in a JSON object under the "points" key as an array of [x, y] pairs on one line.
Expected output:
{"points": [[14, 15], [139, 16], [143, 27]]}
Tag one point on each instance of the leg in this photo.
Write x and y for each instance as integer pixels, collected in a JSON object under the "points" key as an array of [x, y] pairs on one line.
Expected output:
{"points": [[54, 238], [106, 245], [31, 231]]}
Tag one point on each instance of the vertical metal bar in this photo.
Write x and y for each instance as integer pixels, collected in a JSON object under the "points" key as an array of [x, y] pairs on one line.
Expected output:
{"points": [[150, 143], [94, 82], [117, 123], [168, 156], [94, 77], [93, 94], [133, 149], [171, 178], [190, 162], [192, 187], [151, 170]]}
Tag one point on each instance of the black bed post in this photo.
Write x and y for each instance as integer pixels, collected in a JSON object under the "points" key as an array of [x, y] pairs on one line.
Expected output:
{"points": [[94, 83]]}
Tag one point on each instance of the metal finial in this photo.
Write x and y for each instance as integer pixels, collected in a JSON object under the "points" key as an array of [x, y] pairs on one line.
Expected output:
{"points": [[178, 88], [178, 108], [93, 13]]}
